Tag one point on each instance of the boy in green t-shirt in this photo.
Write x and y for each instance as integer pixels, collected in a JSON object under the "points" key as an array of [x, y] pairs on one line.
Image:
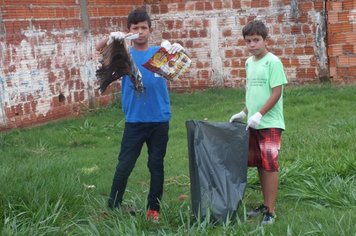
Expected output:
{"points": [[265, 80]]}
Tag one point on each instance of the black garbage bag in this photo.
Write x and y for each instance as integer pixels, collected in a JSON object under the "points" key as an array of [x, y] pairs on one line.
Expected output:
{"points": [[218, 154]]}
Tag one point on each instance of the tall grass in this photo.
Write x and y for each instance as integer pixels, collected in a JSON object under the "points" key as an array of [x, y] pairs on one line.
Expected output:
{"points": [[54, 179]]}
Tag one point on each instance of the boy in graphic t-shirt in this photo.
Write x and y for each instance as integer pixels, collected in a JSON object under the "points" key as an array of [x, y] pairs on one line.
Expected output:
{"points": [[147, 115]]}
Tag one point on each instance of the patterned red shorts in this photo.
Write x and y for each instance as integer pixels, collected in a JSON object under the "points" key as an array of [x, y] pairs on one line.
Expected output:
{"points": [[264, 145]]}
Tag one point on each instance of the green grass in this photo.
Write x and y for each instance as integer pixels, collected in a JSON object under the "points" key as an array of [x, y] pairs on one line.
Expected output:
{"points": [[55, 179]]}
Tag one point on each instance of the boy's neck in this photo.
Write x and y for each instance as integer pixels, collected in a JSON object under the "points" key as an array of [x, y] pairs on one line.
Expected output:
{"points": [[140, 47], [259, 57]]}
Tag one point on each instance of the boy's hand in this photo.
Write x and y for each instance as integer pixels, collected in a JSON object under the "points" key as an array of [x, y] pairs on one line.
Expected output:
{"points": [[176, 47], [238, 117], [254, 121], [115, 36]]}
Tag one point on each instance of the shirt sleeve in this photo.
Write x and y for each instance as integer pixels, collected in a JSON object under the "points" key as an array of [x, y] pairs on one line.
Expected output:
{"points": [[277, 74]]}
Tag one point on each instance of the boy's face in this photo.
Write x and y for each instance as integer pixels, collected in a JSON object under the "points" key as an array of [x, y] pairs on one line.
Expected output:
{"points": [[144, 32], [256, 45]]}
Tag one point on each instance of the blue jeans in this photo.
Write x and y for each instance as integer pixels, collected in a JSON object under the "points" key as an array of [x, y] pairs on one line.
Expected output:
{"points": [[155, 135]]}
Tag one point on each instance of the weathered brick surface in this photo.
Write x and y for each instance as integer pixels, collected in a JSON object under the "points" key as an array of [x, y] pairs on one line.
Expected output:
{"points": [[48, 58], [341, 40]]}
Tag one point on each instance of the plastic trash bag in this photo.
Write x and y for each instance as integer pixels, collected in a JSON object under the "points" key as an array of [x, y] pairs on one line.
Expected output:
{"points": [[218, 154]]}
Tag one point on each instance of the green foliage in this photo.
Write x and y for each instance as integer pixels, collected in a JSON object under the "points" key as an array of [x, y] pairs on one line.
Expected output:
{"points": [[54, 179]]}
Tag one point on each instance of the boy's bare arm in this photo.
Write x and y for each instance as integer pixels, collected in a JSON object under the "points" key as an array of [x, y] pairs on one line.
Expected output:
{"points": [[272, 100]]}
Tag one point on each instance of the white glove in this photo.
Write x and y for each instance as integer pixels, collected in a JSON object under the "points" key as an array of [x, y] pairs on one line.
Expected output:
{"points": [[254, 121], [238, 117], [115, 36], [176, 47]]}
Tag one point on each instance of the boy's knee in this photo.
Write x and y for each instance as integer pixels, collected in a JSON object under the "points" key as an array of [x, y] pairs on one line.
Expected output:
{"points": [[155, 166]]}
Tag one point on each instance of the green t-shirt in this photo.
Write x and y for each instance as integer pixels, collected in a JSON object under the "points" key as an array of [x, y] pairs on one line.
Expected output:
{"points": [[261, 77]]}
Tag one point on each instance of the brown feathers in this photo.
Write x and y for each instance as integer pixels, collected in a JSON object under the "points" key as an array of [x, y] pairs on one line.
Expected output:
{"points": [[117, 62]]}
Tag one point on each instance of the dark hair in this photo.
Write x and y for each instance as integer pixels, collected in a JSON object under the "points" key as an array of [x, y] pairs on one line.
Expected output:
{"points": [[138, 15], [255, 27]]}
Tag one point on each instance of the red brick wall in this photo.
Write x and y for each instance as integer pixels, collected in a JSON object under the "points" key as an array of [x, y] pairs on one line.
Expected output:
{"points": [[342, 40], [211, 30], [48, 58]]}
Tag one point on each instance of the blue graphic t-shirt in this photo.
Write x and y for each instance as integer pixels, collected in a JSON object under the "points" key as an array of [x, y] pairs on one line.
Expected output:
{"points": [[153, 105]]}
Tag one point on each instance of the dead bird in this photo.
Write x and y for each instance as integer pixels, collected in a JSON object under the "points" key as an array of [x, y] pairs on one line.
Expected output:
{"points": [[116, 62]]}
